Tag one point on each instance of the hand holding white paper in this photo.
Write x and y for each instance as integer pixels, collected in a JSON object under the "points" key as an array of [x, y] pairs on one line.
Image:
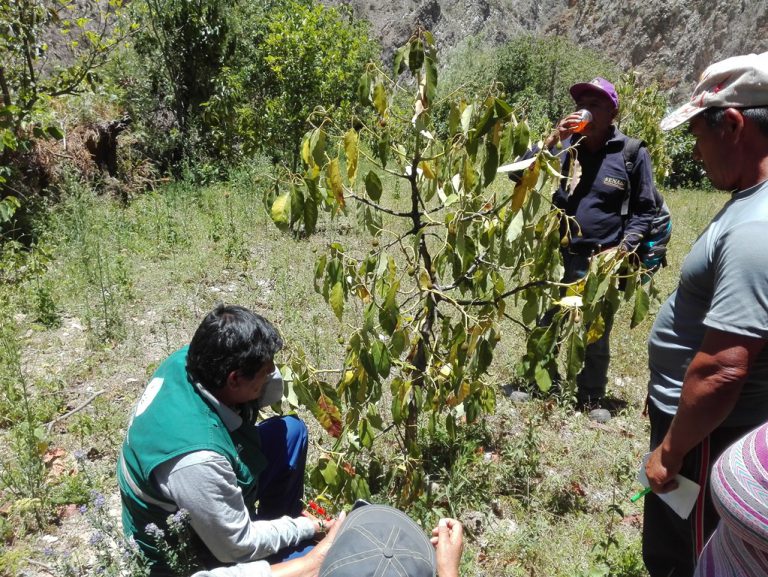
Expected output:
{"points": [[682, 499]]}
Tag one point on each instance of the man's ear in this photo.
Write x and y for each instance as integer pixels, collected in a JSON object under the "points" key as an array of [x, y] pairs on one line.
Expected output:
{"points": [[733, 125], [232, 379]]}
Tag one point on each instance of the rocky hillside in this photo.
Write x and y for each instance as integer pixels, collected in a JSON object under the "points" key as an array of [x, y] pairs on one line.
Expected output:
{"points": [[671, 41]]}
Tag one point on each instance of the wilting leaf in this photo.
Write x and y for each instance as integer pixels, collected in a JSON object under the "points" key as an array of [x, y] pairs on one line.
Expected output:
{"points": [[334, 180], [351, 152], [279, 211]]}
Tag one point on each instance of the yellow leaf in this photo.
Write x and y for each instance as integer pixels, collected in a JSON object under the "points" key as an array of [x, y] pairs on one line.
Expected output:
{"points": [[350, 149], [426, 170], [334, 180], [522, 188], [280, 209]]}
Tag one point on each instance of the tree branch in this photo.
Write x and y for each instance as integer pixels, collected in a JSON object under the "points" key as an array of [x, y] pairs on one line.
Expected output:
{"points": [[503, 295], [379, 207]]}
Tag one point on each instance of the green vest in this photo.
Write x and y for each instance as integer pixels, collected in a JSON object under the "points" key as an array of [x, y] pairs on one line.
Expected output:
{"points": [[171, 419]]}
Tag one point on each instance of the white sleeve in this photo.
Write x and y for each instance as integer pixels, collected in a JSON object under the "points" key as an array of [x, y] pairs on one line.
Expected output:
{"points": [[205, 485], [253, 569]]}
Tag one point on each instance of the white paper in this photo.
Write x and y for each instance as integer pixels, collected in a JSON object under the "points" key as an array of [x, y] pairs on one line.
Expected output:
{"points": [[682, 499], [517, 166]]}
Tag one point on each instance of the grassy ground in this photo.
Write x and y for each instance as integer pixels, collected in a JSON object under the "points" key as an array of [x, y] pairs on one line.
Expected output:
{"points": [[114, 289]]}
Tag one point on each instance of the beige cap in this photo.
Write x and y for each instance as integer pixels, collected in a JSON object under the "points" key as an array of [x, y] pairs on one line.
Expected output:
{"points": [[737, 82]]}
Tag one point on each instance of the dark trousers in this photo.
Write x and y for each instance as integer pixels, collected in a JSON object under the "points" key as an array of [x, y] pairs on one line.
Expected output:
{"points": [[593, 378], [671, 545], [281, 484]]}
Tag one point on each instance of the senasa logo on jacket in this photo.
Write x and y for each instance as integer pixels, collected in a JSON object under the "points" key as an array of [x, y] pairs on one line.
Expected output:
{"points": [[615, 182]]}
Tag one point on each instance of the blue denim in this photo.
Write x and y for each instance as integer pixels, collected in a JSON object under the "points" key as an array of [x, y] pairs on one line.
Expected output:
{"points": [[281, 485]]}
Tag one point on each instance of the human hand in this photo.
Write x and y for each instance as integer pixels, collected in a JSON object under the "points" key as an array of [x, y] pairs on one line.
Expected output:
{"points": [[661, 469], [318, 553], [448, 539], [568, 125], [322, 523]]}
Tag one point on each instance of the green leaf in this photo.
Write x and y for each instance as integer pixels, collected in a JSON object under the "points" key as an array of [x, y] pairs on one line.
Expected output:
{"points": [[515, 227], [380, 358], [279, 210], [491, 163], [431, 79], [642, 304], [397, 343], [330, 473], [310, 215], [454, 119], [399, 65], [297, 205], [522, 139], [382, 148], [364, 89], [55, 132], [389, 312], [373, 186], [574, 354], [336, 300], [317, 146], [351, 152], [415, 56], [365, 433], [466, 119], [484, 355], [543, 378], [8, 207]]}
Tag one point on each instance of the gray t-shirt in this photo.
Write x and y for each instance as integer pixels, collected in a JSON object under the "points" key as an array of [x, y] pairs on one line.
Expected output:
{"points": [[723, 286]]}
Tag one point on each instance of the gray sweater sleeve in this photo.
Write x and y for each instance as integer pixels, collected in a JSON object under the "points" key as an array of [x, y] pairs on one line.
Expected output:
{"points": [[253, 569], [205, 485]]}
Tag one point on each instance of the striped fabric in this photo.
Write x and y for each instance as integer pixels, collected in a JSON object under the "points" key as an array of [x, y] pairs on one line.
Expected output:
{"points": [[739, 546]]}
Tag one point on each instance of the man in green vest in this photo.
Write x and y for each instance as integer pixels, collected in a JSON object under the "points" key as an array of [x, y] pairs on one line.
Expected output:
{"points": [[193, 448]]}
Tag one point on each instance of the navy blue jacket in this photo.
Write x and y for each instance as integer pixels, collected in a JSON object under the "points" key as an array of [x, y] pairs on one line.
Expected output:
{"points": [[596, 202]]}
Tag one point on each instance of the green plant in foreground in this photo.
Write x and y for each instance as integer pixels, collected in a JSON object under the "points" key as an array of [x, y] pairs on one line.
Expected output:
{"points": [[436, 285]]}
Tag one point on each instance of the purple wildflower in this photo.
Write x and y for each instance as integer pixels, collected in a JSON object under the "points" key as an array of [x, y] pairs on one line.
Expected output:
{"points": [[179, 519], [96, 538], [97, 499], [154, 531]]}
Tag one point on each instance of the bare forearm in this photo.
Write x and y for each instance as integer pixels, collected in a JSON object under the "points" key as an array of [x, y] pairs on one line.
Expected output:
{"points": [[705, 402]]}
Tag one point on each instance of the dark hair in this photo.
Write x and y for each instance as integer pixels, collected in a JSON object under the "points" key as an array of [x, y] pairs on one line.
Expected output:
{"points": [[759, 115], [230, 338]]}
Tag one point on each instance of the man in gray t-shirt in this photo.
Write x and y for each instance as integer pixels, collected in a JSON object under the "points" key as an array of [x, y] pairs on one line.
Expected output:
{"points": [[708, 365]]}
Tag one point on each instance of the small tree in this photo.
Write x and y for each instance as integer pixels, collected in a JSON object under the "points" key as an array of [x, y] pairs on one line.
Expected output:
{"points": [[48, 49], [445, 272], [640, 112]]}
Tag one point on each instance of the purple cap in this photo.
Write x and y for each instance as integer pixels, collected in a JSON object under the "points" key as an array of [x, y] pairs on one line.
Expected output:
{"points": [[599, 85]]}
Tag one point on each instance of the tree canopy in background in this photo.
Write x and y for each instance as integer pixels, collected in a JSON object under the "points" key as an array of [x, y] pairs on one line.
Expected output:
{"points": [[48, 49], [241, 77]]}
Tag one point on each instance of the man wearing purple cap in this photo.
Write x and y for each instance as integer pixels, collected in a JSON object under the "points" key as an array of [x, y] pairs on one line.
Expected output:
{"points": [[610, 204], [708, 364]]}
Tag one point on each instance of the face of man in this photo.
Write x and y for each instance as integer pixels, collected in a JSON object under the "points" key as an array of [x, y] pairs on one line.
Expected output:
{"points": [[713, 150], [240, 389], [602, 109]]}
